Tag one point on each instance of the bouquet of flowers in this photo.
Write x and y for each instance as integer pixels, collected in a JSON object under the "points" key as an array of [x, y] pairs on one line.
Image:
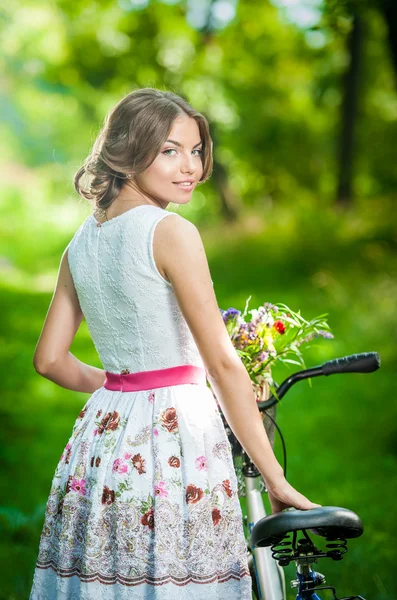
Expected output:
{"points": [[274, 334]]}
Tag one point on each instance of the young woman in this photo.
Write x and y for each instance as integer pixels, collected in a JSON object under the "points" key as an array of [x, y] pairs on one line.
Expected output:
{"points": [[143, 504]]}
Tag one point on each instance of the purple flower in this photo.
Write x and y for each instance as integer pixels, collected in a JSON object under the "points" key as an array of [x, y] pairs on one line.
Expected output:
{"points": [[270, 306], [229, 314], [310, 336], [325, 334]]}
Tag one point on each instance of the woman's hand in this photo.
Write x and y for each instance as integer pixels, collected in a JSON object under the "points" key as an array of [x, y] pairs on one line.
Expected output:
{"points": [[282, 495]]}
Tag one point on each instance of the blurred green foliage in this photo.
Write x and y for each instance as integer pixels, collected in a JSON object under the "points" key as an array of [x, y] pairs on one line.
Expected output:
{"points": [[272, 93]]}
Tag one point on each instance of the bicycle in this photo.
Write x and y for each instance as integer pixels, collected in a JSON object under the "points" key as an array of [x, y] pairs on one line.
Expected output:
{"points": [[269, 546]]}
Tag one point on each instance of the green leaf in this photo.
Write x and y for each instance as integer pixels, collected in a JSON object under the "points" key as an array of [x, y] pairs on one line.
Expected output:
{"points": [[293, 362]]}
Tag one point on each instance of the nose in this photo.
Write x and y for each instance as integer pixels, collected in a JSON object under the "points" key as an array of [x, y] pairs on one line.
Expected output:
{"points": [[189, 163]]}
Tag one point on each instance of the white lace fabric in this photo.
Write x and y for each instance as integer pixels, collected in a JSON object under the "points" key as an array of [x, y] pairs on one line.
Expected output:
{"points": [[131, 310], [144, 501]]}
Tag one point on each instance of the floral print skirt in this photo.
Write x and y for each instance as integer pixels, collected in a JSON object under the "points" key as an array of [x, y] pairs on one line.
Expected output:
{"points": [[144, 503]]}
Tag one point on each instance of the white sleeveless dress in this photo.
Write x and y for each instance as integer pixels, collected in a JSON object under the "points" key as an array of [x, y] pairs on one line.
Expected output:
{"points": [[143, 504]]}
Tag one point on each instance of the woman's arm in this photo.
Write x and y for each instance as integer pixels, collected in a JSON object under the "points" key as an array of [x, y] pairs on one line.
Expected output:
{"points": [[179, 252], [52, 358], [75, 375]]}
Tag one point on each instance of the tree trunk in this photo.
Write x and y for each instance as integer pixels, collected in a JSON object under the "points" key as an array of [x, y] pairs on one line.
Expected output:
{"points": [[389, 10], [349, 113], [229, 202]]}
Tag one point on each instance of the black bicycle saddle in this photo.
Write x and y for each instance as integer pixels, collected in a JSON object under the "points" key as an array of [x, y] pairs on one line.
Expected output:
{"points": [[327, 521]]}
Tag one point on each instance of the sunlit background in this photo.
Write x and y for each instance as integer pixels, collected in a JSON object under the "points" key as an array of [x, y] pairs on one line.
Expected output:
{"points": [[301, 97]]}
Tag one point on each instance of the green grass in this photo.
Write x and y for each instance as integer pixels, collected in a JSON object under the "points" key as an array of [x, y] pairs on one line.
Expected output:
{"points": [[340, 433]]}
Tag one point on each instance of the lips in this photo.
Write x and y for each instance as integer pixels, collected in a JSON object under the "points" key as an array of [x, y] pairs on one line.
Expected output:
{"points": [[184, 186]]}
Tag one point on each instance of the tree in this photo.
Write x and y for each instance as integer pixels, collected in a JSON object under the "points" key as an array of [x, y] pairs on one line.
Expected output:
{"points": [[389, 11], [349, 109]]}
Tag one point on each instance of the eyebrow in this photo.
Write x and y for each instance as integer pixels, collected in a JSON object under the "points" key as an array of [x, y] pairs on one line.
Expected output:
{"points": [[180, 145]]}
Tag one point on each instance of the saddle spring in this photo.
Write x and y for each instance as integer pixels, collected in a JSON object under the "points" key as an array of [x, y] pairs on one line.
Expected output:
{"points": [[339, 544], [287, 549], [283, 551]]}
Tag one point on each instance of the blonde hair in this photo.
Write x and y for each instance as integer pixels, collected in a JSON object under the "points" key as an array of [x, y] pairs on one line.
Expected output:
{"points": [[131, 138]]}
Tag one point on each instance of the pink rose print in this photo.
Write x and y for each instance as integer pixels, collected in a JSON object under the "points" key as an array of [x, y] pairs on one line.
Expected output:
{"points": [[113, 422], [67, 448], [155, 431], [127, 455], [169, 418], [139, 463], [108, 496], [216, 516], [68, 453], [160, 490], [193, 494], [96, 461], [109, 422], [148, 518], [151, 397], [201, 463], [78, 485], [68, 484], [227, 488], [120, 466]]}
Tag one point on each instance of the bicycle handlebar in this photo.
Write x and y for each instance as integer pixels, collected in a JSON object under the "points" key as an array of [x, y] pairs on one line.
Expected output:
{"points": [[366, 362], [357, 363]]}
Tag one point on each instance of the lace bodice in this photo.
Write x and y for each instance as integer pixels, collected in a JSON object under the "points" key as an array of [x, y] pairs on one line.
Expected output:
{"points": [[131, 310]]}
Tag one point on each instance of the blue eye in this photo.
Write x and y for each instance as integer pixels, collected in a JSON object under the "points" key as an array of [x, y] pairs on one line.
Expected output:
{"points": [[173, 149]]}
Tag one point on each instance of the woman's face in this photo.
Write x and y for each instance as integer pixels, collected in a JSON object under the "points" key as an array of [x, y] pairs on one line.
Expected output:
{"points": [[179, 160]]}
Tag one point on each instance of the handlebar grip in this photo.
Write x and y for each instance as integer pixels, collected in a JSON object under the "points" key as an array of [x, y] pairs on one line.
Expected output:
{"points": [[366, 362]]}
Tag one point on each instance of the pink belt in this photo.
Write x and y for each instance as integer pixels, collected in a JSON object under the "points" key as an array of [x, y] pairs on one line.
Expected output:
{"points": [[148, 380]]}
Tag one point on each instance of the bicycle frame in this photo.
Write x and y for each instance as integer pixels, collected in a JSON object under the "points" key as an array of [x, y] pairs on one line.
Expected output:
{"points": [[270, 578]]}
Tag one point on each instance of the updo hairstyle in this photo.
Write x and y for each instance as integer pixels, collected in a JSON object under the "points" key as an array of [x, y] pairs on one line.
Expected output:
{"points": [[133, 134]]}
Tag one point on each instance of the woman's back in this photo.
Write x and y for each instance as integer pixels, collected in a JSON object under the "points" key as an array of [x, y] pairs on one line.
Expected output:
{"points": [[131, 310]]}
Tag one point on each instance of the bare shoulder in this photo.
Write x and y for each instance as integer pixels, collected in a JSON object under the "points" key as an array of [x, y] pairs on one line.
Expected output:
{"points": [[175, 225], [179, 251], [174, 235]]}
